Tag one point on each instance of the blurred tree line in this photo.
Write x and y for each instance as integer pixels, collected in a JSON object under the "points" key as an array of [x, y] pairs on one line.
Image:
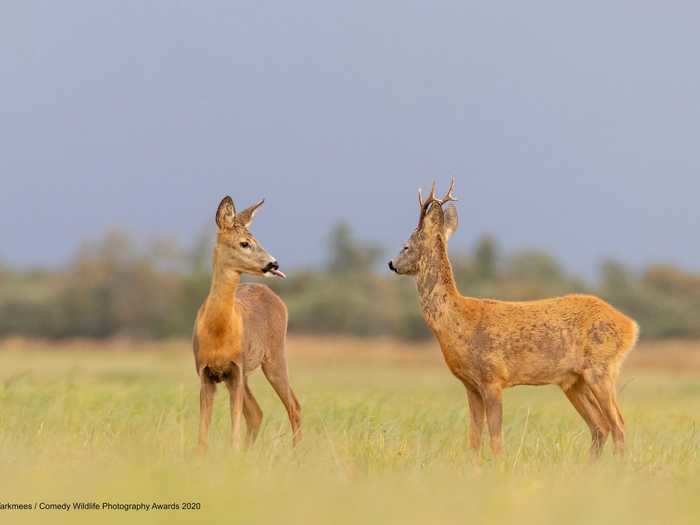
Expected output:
{"points": [[112, 287]]}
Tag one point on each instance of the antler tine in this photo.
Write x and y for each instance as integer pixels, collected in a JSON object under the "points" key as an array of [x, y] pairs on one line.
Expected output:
{"points": [[449, 196], [431, 197], [425, 204]]}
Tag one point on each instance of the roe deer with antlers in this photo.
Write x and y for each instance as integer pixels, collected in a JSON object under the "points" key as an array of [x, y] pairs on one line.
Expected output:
{"points": [[577, 341], [241, 327]]}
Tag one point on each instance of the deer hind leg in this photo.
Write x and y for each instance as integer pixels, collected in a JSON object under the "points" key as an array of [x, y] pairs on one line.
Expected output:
{"points": [[206, 403], [276, 373], [253, 416], [477, 414], [619, 413], [597, 412], [603, 388], [494, 416], [621, 420], [586, 405], [235, 382]]}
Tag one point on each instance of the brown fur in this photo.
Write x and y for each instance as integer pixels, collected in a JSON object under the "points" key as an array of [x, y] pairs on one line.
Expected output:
{"points": [[239, 328], [577, 341]]}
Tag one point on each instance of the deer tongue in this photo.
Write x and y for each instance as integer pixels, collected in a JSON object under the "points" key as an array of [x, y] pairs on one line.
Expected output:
{"points": [[277, 273]]}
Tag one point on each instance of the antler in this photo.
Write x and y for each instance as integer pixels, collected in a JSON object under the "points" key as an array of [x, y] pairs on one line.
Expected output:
{"points": [[449, 196], [424, 205]]}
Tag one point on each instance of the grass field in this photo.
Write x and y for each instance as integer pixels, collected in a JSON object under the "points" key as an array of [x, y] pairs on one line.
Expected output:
{"points": [[385, 441]]}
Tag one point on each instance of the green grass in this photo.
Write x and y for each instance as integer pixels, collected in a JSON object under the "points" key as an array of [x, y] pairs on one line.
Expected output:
{"points": [[383, 443]]}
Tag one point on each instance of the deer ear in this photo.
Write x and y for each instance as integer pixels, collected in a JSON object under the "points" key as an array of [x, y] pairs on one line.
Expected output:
{"points": [[225, 213], [246, 216], [451, 222]]}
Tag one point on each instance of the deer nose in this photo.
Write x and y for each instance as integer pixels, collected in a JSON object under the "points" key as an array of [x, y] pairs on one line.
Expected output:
{"points": [[273, 265], [392, 267]]}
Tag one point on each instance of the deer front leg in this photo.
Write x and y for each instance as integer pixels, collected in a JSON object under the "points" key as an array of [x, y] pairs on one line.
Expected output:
{"points": [[476, 412], [494, 415], [206, 403], [236, 390]]}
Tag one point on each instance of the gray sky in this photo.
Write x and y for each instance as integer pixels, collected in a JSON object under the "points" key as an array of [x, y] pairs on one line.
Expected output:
{"points": [[569, 127]]}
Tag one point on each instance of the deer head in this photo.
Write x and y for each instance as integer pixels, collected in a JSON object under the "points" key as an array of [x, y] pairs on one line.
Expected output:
{"points": [[433, 222], [236, 249]]}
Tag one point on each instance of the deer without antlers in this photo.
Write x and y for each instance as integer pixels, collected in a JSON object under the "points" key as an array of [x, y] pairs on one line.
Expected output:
{"points": [[241, 327], [577, 342]]}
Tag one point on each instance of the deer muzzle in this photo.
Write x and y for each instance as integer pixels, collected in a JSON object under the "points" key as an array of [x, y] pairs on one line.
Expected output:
{"points": [[273, 268]]}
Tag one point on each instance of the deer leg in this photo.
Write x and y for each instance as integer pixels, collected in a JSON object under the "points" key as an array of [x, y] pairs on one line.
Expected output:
{"points": [[276, 374], [604, 391], [596, 412], [619, 413], [587, 407], [477, 415], [620, 419], [253, 416], [494, 416], [235, 383], [206, 403]]}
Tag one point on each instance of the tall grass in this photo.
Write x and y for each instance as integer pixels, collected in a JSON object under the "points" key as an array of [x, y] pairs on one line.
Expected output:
{"points": [[385, 442]]}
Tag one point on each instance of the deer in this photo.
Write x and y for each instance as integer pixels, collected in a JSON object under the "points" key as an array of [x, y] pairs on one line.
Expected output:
{"points": [[241, 327], [577, 342]]}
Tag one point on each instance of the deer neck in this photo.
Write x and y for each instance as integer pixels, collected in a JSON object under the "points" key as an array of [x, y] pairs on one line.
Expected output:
{"points": [[221, 301], [437, 288]]}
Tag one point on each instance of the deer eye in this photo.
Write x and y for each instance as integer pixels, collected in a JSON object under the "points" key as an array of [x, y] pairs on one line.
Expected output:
{"points": [[404, 248], [245, 244]]}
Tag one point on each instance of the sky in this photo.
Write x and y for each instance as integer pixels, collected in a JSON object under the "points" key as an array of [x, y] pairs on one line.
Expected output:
{"points": [[570, 127]]}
